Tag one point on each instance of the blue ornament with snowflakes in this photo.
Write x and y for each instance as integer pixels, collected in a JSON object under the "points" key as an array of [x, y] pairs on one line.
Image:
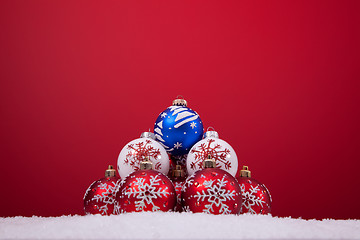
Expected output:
{"points": [[178, 128]]}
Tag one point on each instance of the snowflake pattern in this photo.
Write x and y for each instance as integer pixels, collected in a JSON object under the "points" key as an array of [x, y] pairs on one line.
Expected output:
{"points": [[216, 195], [146, 192], [176, 120], [107, 196], [178, 187], [188, 183], [208, 148], [177, 145], [250, 199], [137, 153], [186, 209]]}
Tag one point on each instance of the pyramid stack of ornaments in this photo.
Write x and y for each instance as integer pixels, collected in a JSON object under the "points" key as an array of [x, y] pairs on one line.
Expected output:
{"points": [[178, 168]]}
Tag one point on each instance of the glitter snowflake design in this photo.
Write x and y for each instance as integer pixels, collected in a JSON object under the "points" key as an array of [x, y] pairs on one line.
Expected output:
{"points": [[214, 150], [107, 196], [178, 187], [250, 198], [188, 183], [146, 192], [137, 153], [216, 195]]}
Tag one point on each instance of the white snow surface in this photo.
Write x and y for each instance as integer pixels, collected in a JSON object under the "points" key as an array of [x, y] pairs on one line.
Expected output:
{"points": [[162, 225]]}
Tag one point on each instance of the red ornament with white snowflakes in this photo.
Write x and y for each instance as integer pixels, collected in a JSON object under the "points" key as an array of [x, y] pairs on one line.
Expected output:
{"points": [[145, 190], [135, 151], [211, 190], [178, 178], [223, 154], [256, 197], [100, 196]]}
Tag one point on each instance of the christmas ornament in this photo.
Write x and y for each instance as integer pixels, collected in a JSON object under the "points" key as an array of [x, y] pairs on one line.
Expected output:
{"points": [[100, 196], [178, 128], [178, 179], [256, 197], [135, 151], [211, 190], [145, 190], [175, 161], [224, 155]]}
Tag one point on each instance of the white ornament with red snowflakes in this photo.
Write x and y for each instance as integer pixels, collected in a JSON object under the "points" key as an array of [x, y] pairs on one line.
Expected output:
{"points": [[135, 151], [224, 155]]}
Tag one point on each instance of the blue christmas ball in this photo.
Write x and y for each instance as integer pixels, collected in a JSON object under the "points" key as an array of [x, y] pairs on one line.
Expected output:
{"points": [[177, 129]]}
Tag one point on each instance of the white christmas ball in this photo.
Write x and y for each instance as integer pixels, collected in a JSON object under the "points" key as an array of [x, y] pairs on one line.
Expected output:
{"points": [[224, 155], [135, 151]]}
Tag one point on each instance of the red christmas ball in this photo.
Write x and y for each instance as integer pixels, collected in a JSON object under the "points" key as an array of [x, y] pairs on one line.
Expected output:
{"points": [[99, 198], [256, 197], [145, 190], [211, 190]]}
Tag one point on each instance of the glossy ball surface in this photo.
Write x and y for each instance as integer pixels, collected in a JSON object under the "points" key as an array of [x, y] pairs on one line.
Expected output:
{"points": [[134, 153], [177, 129], [256, 197], [99, 198], [145, 190], [212, 191], [223, 154]]}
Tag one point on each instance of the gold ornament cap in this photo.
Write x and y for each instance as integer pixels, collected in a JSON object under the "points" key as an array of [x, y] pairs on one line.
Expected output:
{"points": [[146, 164], [110, 172], [179, 102], [147, 135], [209, 162], [245, 172], [178, 171]]}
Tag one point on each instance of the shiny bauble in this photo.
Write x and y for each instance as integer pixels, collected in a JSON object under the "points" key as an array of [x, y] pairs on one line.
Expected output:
{"points": [[178, 128], [217, 148], [135, 151], [256, 197], [213, 191], [145, 190], [99, 198]]}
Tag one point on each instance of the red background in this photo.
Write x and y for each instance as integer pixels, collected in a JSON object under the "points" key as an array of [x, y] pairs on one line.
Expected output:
{"points": [[278, 80]]}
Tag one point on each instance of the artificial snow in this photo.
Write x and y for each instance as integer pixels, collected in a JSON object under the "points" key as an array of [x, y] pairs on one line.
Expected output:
{"points": [[168, 225]]}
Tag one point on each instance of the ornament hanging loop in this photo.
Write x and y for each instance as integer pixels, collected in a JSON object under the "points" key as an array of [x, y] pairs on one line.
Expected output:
{"points": [[245, 172], [210, 132]]}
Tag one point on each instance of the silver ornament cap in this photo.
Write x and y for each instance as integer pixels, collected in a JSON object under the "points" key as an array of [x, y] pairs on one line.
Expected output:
{"points": [[147, 135], [213, 134]]}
